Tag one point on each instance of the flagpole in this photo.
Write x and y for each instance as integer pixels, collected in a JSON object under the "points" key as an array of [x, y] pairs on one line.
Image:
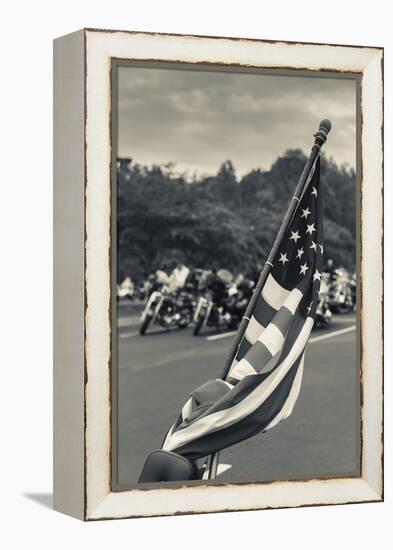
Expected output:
{"points": [[320, 138]]}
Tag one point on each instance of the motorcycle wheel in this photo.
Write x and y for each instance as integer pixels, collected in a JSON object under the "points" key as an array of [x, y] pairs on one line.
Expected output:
{"points": [[199, 324], [145, 324]]}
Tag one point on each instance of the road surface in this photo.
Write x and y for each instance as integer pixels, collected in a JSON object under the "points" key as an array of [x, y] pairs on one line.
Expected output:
{"points": [[319, 439]]}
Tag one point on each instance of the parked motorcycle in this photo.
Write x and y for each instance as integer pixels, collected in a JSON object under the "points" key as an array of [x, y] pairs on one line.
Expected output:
{"points": [[167, 310], [341, 293], [223, 303], [238, 302], [126, 289], [323, 314]]}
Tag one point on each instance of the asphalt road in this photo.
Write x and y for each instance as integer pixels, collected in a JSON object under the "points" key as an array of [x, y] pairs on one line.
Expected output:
{"points": [[320, 438]]}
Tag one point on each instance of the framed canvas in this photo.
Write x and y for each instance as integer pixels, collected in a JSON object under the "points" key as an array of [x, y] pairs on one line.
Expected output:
{"points": [[204, 359]]}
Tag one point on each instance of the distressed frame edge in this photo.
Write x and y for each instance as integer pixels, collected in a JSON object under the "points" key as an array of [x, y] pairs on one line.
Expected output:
{"points": [[372, 189], [373, 489], [69, 489], [358, 492]]}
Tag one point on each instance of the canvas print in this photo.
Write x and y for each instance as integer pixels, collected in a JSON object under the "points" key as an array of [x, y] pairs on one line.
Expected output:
{"points": [[235, 337]]}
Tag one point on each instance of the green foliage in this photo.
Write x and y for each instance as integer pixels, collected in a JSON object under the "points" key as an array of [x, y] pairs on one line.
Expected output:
{"points": [[220, 221]]}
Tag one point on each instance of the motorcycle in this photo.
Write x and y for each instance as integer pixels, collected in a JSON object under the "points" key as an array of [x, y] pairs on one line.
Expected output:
{"points": [[222, 304], [323, 314], [126, 289], [341, 294], [167, 310], [238, 301]]}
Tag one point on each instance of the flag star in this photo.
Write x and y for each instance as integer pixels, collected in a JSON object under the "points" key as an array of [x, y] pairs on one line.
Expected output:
{"points": [[310, 229], [314, 246], [321, 247], [306, 213], [314, 192], [317, 276], [294, 236], [300, 252], [309, 307], [283, 258], [303, 268]]}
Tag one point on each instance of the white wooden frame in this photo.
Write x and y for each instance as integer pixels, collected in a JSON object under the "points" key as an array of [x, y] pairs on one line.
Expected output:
{"points": [[82, 469]]}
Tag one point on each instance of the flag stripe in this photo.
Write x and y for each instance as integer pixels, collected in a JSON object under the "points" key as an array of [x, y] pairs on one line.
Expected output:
{"points": [[258, 355], [282, 319], [274, 294], [245, 345], [263, 312], [272, 338], [186, 410], [293, 300], [242, 369], [254, 330], [293, 333], [263, 359], [291, 399]]}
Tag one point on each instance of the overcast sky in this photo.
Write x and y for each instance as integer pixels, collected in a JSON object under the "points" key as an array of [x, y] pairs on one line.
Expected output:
{"points": [[198, 119]]}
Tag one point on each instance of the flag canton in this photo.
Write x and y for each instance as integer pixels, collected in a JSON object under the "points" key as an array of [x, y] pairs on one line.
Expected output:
{"points": [[298, 262]]}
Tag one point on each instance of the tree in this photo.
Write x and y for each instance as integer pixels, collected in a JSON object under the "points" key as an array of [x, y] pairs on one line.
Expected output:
{"points": [[220, 220]]}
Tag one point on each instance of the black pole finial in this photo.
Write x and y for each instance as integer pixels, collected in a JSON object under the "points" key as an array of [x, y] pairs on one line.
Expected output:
{"points": [[321, 136], [326, 125]]}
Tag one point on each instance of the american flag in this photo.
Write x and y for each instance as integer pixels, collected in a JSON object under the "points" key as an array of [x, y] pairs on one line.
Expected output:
{"points": [[264, 380]]}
